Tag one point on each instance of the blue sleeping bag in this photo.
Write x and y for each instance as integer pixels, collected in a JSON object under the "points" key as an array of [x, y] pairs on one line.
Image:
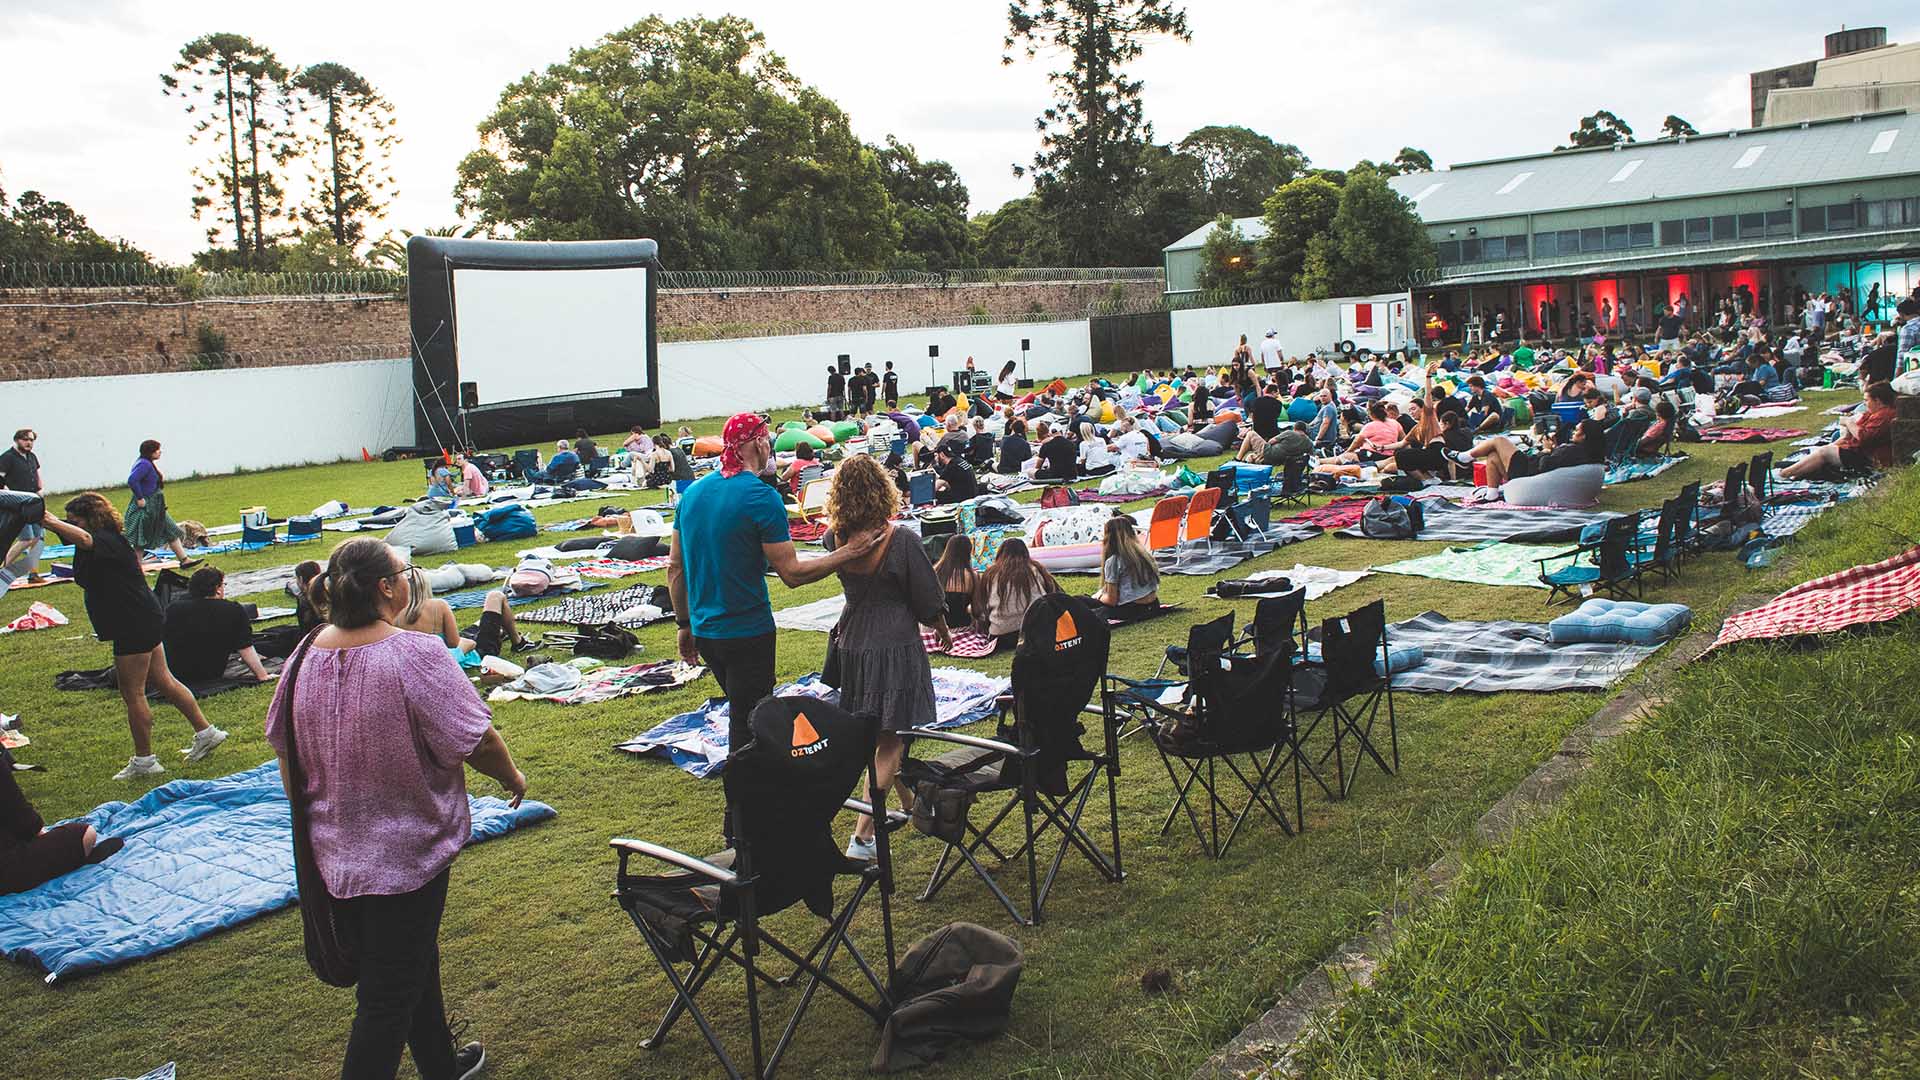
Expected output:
{"points": [[201, 855], [507, 522]]}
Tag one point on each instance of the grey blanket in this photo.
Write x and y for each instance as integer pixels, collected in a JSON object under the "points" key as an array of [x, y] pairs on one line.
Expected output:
{"points": [[1452, 521], [1488, 657]]}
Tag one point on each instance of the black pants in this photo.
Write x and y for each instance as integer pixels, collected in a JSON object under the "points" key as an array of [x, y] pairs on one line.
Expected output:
{"points": [[744, 669], [399, 1003]]}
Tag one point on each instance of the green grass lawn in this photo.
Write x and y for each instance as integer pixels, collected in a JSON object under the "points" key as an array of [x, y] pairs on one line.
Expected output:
{"points": [[1730, 893], [552, 976]]}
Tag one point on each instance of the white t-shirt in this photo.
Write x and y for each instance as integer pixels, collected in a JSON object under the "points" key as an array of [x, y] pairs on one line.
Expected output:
{"points": [[1132, 445], [1094, 454], [1007, 386], [1270, 353]]}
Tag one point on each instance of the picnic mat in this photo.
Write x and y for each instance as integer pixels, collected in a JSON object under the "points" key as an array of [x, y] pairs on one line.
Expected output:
{"points": [[1317, 580], [201, 856], [1490, 657], [1337, 513], [967, 643], [612, 569], [1447, 520], [632, 607], [1858, 596], [1492, 563], [234, 677], [820, 615], [1749, 434], [473, 598], [601, 683], [1628, 471], [697, 741]]}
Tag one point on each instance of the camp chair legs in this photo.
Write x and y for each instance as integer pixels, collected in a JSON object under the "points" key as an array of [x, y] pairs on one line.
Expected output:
{"points": [[1357, 725], [1259, 787]]}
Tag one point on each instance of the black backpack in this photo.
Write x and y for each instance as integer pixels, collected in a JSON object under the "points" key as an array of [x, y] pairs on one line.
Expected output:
{"points": [[1390, 518]]}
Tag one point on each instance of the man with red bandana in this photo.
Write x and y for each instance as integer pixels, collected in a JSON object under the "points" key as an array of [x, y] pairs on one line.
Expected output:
{"points": [[730, 528]]}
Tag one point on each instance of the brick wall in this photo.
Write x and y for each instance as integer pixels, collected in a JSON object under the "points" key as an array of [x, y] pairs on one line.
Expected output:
{"points": [[55, 333]]}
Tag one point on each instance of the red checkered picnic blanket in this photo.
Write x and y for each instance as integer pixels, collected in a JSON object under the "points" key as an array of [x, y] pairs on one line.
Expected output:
{"points": [[612, 569], [1338, 513], [1865, 594], [801, 532], [1750, 434], [967, 642]]}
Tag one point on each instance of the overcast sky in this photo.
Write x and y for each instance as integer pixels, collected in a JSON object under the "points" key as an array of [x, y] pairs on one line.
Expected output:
{"points": [[82, 118]]}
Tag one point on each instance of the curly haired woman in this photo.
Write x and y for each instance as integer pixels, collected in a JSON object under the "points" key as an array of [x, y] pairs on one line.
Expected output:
{"points": [[891, 592]]}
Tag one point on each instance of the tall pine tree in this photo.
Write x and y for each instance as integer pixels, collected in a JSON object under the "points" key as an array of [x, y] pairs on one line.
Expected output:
{"points": [[1092, 136], [348, 150], [236, 91]]}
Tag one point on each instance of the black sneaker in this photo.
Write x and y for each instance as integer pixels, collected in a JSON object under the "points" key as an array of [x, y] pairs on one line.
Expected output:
{"points": [[468, 1061]]}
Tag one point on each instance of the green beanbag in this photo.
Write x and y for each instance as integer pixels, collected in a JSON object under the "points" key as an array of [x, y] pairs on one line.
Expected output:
{"points": [[846, 429], [793, 437]]}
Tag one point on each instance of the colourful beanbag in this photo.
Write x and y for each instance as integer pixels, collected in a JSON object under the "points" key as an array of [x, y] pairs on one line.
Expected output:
{"points": [[792, 437], [1620, 622], [708, 446]]}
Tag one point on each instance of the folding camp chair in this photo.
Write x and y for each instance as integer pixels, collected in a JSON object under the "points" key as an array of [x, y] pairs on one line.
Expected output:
{"points": [[1279, 626], [526, 463], [1623, 439], [1163, 528], [1732, 491], [784, 788], [1293, 489], [1222, 478], [1686, 539], [1056, 671], [1250, 517], [1199, 522], [1234, 708], [1610, 567], [1664, 556], [253, 537], [1353, 667], [920, 489], [1760, 475], [813, 499]]}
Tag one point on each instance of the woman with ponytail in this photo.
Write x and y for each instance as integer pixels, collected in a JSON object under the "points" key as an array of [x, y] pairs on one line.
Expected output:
{"points": [[373, 729]]}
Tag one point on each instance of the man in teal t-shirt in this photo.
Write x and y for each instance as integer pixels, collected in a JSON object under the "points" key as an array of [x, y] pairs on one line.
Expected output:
{"points": [[730, 528]]}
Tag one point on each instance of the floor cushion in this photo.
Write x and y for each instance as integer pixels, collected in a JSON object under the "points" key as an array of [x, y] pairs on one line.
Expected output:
{"points": [[1575, 485], [1620, 622]]}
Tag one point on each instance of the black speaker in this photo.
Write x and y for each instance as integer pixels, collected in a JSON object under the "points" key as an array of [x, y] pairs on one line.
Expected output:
{"points": [[933, 351], [1023, 384], [1025, 345], [469, 395], [846, 363]]}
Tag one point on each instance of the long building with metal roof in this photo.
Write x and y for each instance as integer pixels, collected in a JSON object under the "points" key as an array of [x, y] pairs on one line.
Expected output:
{"points": [[1547, 243]]}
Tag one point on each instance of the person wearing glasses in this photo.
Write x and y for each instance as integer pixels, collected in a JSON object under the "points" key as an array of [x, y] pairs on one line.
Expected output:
{"points": [[20, 472], [126, 614], [383, 725]]}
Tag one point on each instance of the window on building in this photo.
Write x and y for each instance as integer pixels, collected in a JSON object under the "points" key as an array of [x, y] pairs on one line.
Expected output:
{"points": [[1699, 230], [1840, 217], [1470, 250], [1813, 219], [1546, 245], [1447, 251], [1493, 248], [1779, 223], [1876, 215], [1673, 232], [1617, 238], [1593, 240], [1723, 227], [1517, 247], [1753, 226], [1569, 241], [1642, 234]]}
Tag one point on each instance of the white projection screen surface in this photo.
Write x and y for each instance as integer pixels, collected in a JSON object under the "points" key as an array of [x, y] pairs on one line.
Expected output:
{"points": [[522, 334]]}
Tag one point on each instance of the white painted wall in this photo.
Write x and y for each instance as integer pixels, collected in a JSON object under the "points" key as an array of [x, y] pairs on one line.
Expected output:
{"points": [[715, 378], [210, 422], [1208, 335]]}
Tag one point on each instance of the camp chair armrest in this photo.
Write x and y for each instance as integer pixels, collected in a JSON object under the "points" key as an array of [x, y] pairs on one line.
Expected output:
{"points": [[1572, 553], [676, 858], [974, 741], [861, 806]]}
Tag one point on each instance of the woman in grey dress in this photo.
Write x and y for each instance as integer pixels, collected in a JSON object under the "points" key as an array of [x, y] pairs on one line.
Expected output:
{"points": [[891, 593]]}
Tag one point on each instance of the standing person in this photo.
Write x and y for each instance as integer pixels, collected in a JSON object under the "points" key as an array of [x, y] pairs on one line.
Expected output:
{"points": [[891, 592], [20, 472], [730, 528], [836, 390], [126, 613], [890, 384], [147, 523], [1269, 350], [1243, 353], [371, 733]]}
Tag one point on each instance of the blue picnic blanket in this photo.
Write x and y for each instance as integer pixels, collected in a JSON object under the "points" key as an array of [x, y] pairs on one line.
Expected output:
{"points": [[1640, 469], [697, 741], [201, 856]]}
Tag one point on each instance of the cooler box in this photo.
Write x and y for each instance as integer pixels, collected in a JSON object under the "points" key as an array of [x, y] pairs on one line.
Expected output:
{"points": [[463, 535], [1569, 412], [254, 517], [1479, 474]]}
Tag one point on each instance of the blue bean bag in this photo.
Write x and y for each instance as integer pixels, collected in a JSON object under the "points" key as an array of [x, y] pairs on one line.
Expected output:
{"points": [[1399, 657], [1620, 622], [509, 522]]}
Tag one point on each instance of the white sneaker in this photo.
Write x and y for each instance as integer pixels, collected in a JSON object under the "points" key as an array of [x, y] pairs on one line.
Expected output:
{"points": [[204, 741], [139, 768], [862, 850]]}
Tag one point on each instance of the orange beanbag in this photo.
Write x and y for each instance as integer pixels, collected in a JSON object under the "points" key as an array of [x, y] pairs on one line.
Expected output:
{"points": [[823, 433], [1226, 416], [708, 446]]}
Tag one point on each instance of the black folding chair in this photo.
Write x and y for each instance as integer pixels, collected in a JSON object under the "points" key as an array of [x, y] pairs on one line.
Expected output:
{"points": [[1234, 708], [1292, 489], [1732, 490], [1348, 685], [1664, 557], [784, 788], [1686, 538], [1612, 564], [1279, 626], [1056, 672], [526, 463], [1760, 475]]}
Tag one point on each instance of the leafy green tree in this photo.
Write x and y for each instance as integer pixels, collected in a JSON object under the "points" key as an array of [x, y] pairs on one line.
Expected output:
{"points": [[316, 251], [1410, 160], [37, 229], [350, 146], [1019, 233], [237, 93], [1674, 127], [1374, 243], [1091, 136], [931, 203], [1167, 202], [1226, 257], [1297, 212], [1601, 129], [1240, 167], [692, 132]]}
